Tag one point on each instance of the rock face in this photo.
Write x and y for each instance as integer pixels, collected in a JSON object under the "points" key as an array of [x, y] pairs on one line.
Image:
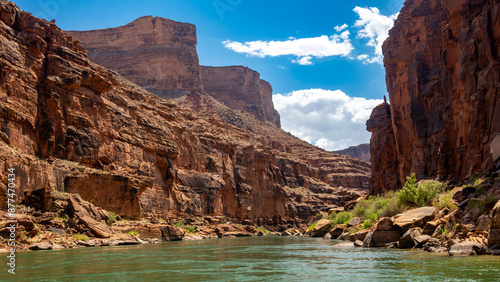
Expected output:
{"points": [[160, 55], [156, 53], [361, 152], [71, 125], [383, 156], [443, 80], [241, 88]]}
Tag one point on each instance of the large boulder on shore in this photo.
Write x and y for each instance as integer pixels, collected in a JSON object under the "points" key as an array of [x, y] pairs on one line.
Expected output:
{"points": [[338, 230], [322, 227], [494, 234], [383, 233], [467, 248], [416, 217], [407, 241]]}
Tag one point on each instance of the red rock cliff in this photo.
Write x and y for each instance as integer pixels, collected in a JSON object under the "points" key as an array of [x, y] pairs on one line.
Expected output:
{"points": [[443, 78], [68, 124], [241, 88], [156, 53], [160, 55]]}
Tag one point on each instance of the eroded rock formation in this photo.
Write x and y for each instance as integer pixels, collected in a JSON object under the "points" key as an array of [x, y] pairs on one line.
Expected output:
{"points": [[361, 152], [71, 125], [241, 88], [156, 53], [160, 55], [443, 80]]}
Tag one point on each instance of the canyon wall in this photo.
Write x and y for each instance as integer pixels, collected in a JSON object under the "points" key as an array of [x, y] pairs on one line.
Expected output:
{"points": [[361, 152], [70, 125], [156, 53], [160, 55], [443, 78], [241, 88]]}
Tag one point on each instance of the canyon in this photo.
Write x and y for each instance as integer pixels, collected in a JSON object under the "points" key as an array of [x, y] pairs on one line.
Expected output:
{"points": [[442, 66], [70, 125]]}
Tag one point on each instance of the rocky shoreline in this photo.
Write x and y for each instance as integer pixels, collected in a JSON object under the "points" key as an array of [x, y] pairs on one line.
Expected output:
{"points": [[74, 222]]}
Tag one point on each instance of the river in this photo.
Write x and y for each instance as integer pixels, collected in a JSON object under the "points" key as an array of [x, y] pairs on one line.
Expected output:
{"points": [[248, 259]]}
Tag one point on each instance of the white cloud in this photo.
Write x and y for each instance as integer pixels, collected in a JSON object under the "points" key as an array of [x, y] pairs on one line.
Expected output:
{"points": [[330, 119], [375, 27], [304, 61], [304, 49], [340, 28]]}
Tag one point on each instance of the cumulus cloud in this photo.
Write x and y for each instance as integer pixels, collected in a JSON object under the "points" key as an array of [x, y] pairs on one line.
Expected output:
{"points": [[375, 27], [340, 28], [304, 49], [329, 119], [304, 61]]}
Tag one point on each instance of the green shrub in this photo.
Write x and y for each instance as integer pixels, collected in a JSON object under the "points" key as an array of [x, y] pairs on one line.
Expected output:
{"points": [[191, 229], [367, 223], [264, 230], [381, 205], [82, 237], [311, 227], [413, 195], [133, 233], [340, 218], [180, 224], [446, 201], [112, 218]]}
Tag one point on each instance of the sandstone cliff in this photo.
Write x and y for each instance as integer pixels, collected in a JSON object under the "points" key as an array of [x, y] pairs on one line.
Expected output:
{"points": [[361, 152], [443, 80], [160, 55], [73, 126], [156, 53], [241, 88]]}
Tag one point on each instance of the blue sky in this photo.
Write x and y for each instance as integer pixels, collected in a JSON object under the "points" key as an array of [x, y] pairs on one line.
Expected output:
{"points": [[293, 44]]}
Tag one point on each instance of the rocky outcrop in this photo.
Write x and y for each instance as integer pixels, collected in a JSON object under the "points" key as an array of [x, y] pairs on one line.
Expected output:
{"points": [[361, 152], [241, 88], [494, 232], [156, 53], [383, 156], [71, 125], [442, 69]]}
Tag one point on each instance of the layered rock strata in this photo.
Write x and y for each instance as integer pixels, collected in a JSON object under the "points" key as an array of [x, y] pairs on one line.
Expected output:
{"points": [[241, 88], [442, 69], [156, 53], [361, 152], [70, 125], [160, 55]]}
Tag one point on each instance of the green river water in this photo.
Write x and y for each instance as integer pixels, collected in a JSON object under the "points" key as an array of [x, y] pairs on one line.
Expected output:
{"points": [[248, 259]]}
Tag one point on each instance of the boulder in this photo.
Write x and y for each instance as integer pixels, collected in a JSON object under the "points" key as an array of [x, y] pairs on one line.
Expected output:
{"points": [[358, 243], [415, 217], [483, 223], [41, 246], [494, 234], [383, 233], [421, 240], [408, 239], [172, 233], [98, 229], [360, 235], [355, 221], [467, 248], [337, 231], [322, 227], [381, 238]]}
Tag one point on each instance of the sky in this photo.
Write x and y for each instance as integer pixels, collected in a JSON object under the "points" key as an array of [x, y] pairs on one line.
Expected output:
{"points": [[323, 58]]}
